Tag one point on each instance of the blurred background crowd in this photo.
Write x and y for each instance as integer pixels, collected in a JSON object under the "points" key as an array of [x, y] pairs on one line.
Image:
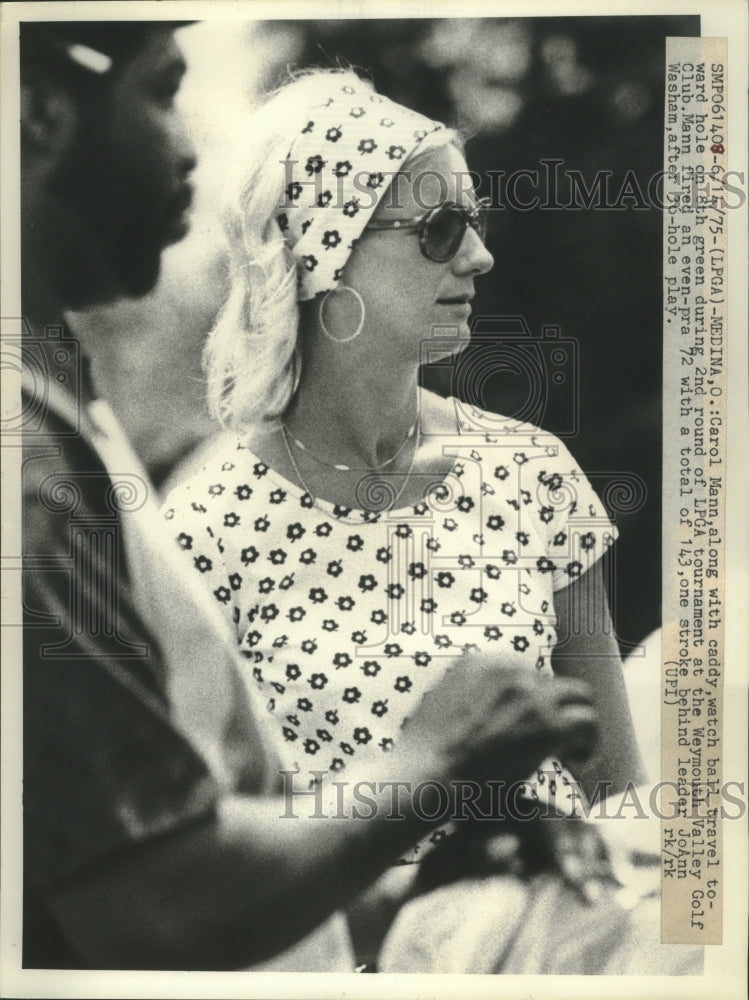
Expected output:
{"points": [[585, 91]]}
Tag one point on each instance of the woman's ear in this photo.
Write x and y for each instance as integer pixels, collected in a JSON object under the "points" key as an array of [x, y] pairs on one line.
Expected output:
{"points": [[48, 113]]}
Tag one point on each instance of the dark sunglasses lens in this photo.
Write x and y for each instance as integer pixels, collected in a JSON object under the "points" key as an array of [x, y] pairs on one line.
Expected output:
{"points": [[444, 232], [481, 220], [447, 225]]}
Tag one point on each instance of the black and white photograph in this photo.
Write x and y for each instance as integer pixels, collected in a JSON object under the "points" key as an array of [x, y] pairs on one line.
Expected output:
{"points": [[374, 581]]}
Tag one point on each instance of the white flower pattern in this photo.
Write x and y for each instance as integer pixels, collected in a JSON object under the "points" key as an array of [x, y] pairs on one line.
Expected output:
{"points": [[345, 619]]}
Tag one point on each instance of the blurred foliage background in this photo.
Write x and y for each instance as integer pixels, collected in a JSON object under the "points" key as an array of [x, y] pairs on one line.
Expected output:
{"points": [[586, 91]]}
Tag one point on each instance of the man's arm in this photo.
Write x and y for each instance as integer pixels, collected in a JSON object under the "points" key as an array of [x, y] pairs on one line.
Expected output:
{"points": [[248, 883], [229, 893]]}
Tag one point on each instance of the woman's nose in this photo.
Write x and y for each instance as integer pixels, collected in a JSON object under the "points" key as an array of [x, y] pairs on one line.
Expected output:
{"points": [[473, 256]]}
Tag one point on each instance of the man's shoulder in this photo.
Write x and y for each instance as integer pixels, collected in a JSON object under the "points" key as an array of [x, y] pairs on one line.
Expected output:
{"points": [[62, 477]]}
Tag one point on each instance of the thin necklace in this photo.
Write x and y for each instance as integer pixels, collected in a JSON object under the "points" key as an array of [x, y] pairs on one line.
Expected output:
{"points": [[308, 491], [339, 466]]}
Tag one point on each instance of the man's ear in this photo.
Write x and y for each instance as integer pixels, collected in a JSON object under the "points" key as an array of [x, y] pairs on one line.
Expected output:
{"points": [[48, 112]]}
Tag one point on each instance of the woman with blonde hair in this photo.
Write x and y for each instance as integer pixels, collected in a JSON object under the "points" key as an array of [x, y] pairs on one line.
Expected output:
{"points": [[357, 531]]}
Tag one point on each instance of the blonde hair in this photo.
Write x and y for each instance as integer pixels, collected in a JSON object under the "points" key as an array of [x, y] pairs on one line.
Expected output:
{"points": [[252, 358]]}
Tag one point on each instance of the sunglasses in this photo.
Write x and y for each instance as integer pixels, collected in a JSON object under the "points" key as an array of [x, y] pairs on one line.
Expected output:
{"points": [[441, 229]]}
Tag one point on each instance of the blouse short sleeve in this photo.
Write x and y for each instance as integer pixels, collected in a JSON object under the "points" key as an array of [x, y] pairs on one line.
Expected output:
{"points": [[536, 488], [575, 524]]}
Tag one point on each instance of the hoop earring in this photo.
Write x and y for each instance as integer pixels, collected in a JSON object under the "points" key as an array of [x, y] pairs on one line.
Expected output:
{"points": [[323, 327]]}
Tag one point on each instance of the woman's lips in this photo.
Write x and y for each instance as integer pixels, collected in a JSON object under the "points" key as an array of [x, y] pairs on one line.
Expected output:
{"points": [[462, 302]]}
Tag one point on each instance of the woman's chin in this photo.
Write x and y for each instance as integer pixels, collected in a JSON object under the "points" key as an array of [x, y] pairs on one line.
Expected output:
{"points": [[436, 350], [464, 337], [442, 340]]}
